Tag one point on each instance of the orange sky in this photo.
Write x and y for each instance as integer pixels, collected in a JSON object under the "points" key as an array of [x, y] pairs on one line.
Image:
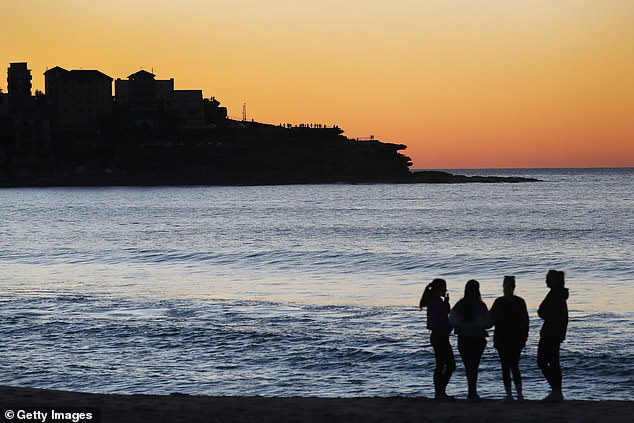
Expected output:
{"points": [[464, 83]]}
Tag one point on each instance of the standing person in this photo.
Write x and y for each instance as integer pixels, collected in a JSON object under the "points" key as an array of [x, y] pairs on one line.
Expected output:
{"points": [[510, 317], [554, 311], [436, 299], [471, 317]]}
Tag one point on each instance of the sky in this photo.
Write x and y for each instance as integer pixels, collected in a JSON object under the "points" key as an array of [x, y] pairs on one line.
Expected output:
{"points": [[463, 83]]}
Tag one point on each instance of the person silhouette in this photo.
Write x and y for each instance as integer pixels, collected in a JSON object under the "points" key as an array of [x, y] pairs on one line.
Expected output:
{"points": [[554, 311], [436, 299], [510, 318], [470, 318]]}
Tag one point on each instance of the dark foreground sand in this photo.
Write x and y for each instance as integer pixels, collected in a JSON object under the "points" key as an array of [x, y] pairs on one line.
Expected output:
{"points": [[186, 408]]}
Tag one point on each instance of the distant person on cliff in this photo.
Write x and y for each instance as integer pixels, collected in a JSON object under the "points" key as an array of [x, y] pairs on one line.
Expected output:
{"points": [[471, 318], [510, 317], [554, 311], [436, 299]]}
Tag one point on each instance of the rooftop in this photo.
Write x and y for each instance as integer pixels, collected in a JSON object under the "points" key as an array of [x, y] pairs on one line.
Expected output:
{"points": [[77, 74], [142, 74]]}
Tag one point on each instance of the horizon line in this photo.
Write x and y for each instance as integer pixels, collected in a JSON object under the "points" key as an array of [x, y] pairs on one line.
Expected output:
{"points": [[527, 167]]}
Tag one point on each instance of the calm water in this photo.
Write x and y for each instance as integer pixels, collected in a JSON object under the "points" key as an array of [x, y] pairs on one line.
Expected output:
{"points": [[305, 290]]}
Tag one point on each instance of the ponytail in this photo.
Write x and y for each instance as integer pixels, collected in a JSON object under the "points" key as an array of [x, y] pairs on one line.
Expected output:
{"points": [[427, 293]]}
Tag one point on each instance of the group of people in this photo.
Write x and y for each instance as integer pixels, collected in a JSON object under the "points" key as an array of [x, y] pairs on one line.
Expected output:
{"points": [[470, 318]]}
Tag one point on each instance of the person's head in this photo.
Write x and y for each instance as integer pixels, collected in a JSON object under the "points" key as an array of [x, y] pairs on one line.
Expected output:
{"points": [[471, 298], [508, 286], [555, 279], [439, 286], [436, 288], [472, 290]]}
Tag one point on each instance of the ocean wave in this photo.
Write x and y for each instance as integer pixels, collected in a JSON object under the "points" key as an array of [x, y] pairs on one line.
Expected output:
{"points": [[304, 290]]}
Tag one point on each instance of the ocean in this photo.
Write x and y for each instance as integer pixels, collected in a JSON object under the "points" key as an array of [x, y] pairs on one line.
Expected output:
{"points": [[307, 290]]}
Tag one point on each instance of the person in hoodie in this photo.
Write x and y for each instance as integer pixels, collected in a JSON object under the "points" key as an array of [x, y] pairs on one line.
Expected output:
{"points": [[436, 299], [510, 317], [554, 311], [471, 318]]}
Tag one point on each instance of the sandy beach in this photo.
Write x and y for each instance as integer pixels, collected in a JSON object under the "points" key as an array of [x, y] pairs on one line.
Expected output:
{"points": [[189, 408]]}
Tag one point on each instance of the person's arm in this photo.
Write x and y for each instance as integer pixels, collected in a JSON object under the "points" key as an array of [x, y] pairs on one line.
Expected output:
{"points": [[455, 318], [525, 321], [488, 319], [544, 311], [432, 315], [495, 311], [446, 305]]}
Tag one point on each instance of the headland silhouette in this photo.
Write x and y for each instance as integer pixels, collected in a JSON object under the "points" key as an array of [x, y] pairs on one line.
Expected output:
{"points": [[77, 133]]}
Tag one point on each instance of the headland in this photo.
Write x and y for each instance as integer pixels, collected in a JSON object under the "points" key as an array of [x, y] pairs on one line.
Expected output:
{"points": [[228, 152], [148, 133]]}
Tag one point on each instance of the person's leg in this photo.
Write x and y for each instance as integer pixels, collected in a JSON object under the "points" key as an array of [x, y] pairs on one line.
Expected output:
{"points": [[450, 364], [506, 373], [543, 360], [548, 361], [555, 366], [439, 364], [464, 347], [514, 364], [471, 351], [478, 349], [472, 377], [445, 363]]}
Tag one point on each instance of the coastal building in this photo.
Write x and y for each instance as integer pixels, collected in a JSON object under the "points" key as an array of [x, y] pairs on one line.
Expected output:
{"points": [[26, 144], [32, 141], [148, 98], [78, 98], [213, 111], [18, 86], [187, 105], [142, 91], [19, 80], [4, 104]]}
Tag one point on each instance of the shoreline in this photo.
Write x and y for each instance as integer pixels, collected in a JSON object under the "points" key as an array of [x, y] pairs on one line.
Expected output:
{"points": [[154, 180], [182, 407]]}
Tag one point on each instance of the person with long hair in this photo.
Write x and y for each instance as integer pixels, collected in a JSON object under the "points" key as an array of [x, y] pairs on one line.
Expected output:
{"points": [[554, 311], [510, 317], [436, 299], [471, 317]]}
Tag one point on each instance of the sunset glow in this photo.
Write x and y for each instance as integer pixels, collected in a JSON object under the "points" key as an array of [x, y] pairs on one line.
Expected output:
{"points": [[465, 84]]}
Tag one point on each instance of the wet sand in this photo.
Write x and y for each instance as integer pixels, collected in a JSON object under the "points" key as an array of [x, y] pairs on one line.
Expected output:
{"points": [[189, 408]]}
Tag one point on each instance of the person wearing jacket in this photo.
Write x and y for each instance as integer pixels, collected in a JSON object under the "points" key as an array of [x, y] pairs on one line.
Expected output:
{"points": [[470, 318], [554, 311], [436, 299], [510, 317]]}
